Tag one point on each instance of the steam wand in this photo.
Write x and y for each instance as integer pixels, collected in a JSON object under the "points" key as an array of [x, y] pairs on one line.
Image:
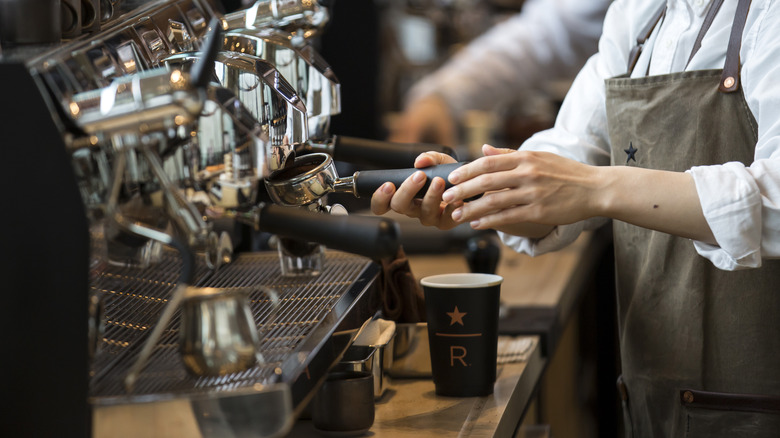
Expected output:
{"points": [[186, 277]]}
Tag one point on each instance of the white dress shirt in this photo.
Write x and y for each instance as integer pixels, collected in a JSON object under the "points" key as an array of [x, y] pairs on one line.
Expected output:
{"points": [[547, 40], [740, 203]]}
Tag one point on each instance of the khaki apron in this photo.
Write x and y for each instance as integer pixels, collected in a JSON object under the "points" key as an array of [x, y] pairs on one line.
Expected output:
{"points": [[697, 343]]}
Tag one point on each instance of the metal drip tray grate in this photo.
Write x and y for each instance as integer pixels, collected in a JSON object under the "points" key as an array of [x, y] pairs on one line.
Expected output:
{"points": [[133, 300]]}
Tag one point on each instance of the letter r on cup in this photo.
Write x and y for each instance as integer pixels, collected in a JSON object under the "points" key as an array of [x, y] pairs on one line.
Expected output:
{"points": [[461, 354]]}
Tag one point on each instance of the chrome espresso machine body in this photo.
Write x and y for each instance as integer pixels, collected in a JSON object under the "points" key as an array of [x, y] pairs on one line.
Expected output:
{"points": [[127, 147]]}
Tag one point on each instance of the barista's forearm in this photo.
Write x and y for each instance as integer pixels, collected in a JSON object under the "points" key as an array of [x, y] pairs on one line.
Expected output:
{"points": [[659, 200]]}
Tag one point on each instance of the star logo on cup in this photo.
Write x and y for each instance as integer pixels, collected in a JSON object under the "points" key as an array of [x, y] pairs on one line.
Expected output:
{"points": [[457, 316]]}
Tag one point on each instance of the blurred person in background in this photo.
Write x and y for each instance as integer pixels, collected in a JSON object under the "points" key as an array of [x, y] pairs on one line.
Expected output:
{"points": [[548, 40]]}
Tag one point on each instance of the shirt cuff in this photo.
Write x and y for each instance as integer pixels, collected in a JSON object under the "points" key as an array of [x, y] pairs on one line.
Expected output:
{"points": [[558, 238], [731, 204]]}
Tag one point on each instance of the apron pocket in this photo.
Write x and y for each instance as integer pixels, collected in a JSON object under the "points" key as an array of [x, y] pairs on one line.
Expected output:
{"points": [[714, 414]]}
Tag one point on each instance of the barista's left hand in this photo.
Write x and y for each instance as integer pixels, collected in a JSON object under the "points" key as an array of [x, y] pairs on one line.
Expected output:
{"points": [[430, 210], [522, 187]]}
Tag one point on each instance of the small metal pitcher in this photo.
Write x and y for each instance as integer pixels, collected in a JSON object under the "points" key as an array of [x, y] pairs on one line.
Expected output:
{"points": [[218, 334]]}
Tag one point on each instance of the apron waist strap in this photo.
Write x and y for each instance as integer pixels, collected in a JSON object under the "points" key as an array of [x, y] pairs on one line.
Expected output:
{"points": [[730, 402]]}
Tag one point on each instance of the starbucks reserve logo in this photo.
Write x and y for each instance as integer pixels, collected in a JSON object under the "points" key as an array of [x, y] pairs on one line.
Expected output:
{"points": [[458, 353]]}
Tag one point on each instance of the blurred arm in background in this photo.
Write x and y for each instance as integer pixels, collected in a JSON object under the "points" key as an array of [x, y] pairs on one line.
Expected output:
{"points": [[548, 40]]}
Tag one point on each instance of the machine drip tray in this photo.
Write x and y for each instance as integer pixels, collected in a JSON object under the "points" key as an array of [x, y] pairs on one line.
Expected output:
{"points": [[315, 321]]}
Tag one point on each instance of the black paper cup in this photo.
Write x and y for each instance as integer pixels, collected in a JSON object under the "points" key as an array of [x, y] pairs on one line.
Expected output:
{"points": [[462, 311]]}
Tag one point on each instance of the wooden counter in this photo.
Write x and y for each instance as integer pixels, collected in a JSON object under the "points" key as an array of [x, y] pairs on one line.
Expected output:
{"points": [[410, 407]]}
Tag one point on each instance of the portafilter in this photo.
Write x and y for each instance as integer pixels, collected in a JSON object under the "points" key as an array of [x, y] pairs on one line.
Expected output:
{"points": [[310, 177]]}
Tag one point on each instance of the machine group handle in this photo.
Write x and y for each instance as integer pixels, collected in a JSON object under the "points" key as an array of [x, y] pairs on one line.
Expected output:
{"points": [[382, 154], [369, 236]]}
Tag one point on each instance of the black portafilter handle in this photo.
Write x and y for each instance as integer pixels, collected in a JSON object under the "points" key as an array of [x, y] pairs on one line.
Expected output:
{"points": [[368, 181], [385, 154], [369, 236]]}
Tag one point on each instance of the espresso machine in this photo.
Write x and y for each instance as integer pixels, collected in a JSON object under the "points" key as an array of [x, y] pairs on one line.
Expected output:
{"points": [[130, 143]]}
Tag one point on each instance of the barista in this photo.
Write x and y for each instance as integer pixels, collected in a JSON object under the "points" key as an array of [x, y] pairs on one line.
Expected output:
{"points": [[680, 147]]}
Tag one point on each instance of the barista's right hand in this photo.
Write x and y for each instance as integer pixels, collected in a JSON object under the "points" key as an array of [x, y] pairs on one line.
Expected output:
{"points": [[427, 120], [430, 210]]}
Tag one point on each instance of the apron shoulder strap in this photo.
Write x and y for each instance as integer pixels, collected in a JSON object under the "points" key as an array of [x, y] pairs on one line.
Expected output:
{"points": [[642, 38], [729, 80], [714, 8]]}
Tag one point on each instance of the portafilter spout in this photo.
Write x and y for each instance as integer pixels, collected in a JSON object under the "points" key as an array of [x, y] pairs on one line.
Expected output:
{"points": [[313, 176]]}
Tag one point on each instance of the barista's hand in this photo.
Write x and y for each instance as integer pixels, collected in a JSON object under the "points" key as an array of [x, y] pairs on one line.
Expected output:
{"points": [[522, 187], [430, 210], [426, 120]]}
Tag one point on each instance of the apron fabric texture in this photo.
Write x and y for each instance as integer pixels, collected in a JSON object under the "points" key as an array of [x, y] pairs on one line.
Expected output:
{"points": [[700, 347]]}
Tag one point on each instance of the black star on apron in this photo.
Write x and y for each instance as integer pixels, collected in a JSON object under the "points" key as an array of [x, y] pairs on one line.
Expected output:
{"points": [[630, 152]]}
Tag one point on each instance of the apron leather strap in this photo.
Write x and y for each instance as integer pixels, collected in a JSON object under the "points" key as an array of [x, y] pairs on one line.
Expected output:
{"points": [[729, 80], [714, 8], [642, 38], [730, 402]]}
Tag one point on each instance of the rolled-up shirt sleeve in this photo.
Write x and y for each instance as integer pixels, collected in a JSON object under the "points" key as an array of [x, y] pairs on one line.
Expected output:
{"points": [[731, 204], [742, 207]]}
